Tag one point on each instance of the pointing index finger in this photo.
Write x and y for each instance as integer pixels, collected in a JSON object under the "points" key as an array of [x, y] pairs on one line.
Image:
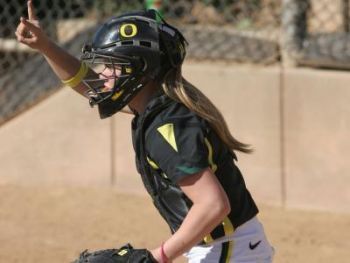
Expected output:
{"points": [[31, 14]]}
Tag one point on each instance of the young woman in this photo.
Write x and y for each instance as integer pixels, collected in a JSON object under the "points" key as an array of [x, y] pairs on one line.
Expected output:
{"points": [[184, 150]]}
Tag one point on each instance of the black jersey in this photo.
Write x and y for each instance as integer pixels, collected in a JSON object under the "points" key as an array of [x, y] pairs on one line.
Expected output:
{"points": [[171, 142]]}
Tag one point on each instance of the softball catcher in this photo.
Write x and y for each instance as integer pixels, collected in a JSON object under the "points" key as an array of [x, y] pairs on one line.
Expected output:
{"points": [[185, 154]]}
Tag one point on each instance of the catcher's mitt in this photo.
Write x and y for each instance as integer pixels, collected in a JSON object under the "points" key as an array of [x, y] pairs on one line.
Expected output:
{"points": [[125, 254]]}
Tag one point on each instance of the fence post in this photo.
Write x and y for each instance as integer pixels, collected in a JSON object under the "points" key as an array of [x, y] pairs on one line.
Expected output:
{"points": [[293, 30], [346, 19]]}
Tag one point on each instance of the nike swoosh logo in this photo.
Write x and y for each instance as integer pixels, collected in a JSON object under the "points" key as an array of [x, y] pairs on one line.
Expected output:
{"points": [[253, 246]]}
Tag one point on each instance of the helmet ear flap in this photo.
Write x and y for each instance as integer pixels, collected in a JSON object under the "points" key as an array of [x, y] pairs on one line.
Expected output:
{"points": [[174, 47], [172, 42]]}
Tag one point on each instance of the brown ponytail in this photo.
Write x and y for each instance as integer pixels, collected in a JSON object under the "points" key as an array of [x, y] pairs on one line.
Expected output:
{"points": [[179, 89]]}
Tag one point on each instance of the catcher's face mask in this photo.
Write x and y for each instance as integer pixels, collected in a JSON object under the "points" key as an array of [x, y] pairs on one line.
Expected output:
{"points": [[120, 78]]}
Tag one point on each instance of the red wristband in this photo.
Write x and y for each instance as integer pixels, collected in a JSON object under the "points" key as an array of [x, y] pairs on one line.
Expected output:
{"points": [[162, 254]]}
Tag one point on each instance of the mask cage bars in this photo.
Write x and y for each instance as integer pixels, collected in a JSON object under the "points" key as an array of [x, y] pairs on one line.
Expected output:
{"points": [[96, 91]]}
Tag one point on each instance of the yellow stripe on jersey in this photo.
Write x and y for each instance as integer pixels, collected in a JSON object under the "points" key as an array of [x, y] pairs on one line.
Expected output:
{"points": [[155, 166], [229, 251], [213, 166], [152, 164], [228, 227], [122, 252], [168, 133]]}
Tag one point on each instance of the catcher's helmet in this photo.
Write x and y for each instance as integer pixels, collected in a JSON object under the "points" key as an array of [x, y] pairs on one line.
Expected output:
{"points": [[142, 46]]}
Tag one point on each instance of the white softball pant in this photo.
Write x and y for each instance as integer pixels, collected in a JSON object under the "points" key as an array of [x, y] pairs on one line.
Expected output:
{"points": [[248, 244]]}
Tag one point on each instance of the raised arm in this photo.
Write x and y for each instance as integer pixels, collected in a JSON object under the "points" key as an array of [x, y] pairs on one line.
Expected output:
{"points": [[62, 63]]}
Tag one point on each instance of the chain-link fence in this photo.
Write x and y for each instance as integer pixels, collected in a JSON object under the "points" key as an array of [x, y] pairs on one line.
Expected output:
{"points": [[306, 32]]}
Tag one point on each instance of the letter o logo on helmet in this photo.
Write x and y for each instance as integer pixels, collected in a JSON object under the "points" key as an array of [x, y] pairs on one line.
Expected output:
{"points": [[128, 30]]}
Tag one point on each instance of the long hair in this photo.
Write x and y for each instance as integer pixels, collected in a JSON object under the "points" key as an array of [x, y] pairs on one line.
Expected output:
{"points": [[179, 89]]}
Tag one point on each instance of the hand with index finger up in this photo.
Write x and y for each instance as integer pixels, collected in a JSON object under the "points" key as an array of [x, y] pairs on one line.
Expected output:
{"points": [[29, 31]]}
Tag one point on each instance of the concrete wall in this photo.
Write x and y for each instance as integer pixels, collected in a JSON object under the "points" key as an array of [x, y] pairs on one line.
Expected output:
{"points": [[60, 141], [297, 121], [317, 139]]}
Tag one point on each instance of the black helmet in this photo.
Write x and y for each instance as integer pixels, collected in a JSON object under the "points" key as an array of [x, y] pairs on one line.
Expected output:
{"points": [[142, 45]]}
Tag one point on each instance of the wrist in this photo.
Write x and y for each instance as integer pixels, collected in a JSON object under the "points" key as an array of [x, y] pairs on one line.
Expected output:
{"points": [[163, 256], [46, 46]]}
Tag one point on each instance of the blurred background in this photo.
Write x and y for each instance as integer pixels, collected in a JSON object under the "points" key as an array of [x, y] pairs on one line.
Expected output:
{"points": [[277, 69], [263, 32]]}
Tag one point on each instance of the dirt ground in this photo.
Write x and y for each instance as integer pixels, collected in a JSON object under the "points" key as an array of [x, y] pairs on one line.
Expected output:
{"points": [[53, 224]]}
